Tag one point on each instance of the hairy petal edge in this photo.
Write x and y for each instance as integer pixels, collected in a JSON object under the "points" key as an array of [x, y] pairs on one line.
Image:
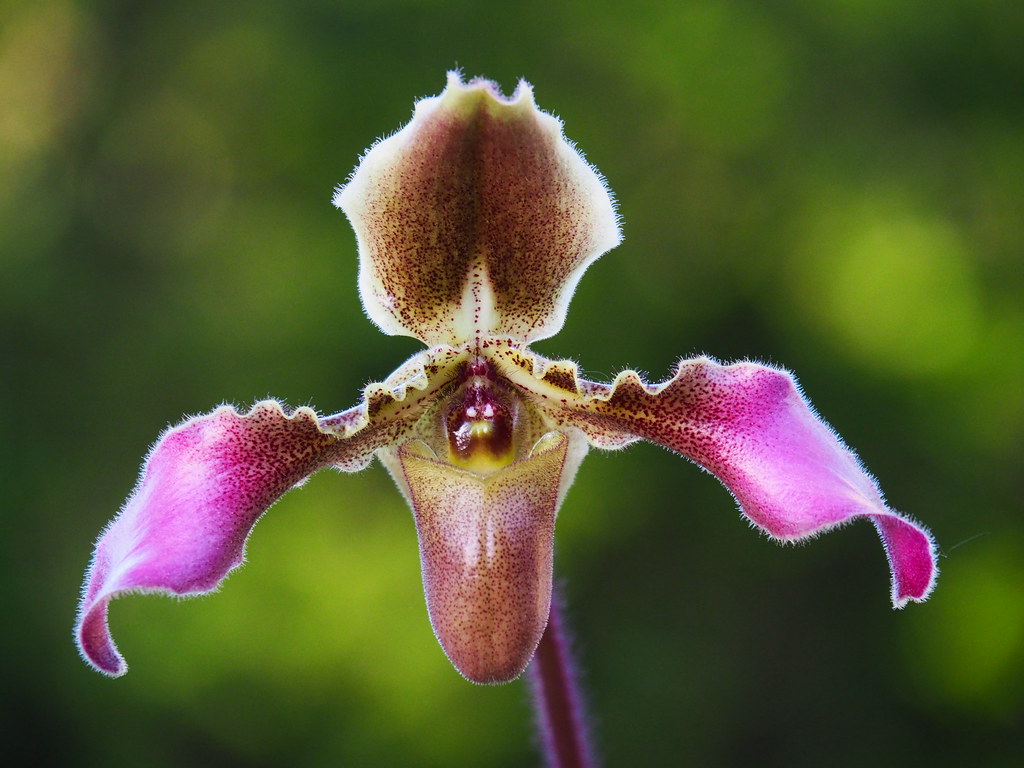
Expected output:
{"points": [[751, 427], [477, 219], [202, 488]]}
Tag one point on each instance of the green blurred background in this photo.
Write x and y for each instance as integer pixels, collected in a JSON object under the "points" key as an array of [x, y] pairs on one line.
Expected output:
{"points": [[837, 187]]}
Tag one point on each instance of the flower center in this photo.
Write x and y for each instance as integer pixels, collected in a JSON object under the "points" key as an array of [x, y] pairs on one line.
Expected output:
{"points": [[480, 425]]}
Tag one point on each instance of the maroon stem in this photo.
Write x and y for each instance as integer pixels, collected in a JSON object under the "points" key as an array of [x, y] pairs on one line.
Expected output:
{"points": [[556, 699]]}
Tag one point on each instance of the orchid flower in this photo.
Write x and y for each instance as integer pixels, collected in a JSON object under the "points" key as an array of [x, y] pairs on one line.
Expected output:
{"points": [[474, 225]]}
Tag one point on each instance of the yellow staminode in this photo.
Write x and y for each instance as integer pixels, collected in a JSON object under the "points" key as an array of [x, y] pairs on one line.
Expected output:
{"points": [[481, 446]]}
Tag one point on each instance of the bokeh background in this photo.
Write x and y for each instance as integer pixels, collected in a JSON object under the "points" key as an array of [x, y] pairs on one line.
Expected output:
{"points": [[837, 187]]}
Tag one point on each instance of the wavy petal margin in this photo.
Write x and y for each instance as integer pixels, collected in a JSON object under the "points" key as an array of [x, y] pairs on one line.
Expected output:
{"points": [[203, 487], [477, 219], [751, 427], [208, 480]]}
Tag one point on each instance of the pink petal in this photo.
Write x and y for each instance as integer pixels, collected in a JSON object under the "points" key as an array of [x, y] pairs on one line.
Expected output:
{"points": [[202, 488], [476, 219], [486, 546], [207, 481], [752, 428]]}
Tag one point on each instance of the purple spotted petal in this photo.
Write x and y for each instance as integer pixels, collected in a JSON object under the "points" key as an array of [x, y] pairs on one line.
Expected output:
{"points": [[207, 481], [752, 428], [203, 487], [477, 219]]}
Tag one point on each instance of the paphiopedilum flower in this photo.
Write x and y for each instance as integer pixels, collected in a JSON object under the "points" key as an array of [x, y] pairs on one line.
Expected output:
{"points": [[474, 224]]}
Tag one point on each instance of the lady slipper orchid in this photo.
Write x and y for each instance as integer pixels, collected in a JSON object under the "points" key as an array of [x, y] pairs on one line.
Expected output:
{"points": [[474, 224]]}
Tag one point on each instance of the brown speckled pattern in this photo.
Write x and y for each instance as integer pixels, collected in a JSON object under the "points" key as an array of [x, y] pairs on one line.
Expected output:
{"points": [[392, 410], [203, 487], [486, 550], [478, 194], [474, 224], [208, 480], [752, 428]]}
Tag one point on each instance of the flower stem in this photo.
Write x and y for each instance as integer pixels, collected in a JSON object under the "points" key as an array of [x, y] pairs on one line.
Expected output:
{"points": [[556, 698]]}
